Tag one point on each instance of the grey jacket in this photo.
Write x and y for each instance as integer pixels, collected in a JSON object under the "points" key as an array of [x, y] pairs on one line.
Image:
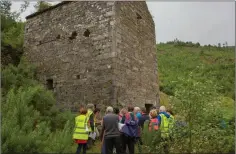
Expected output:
{"points": [[110, 126]]}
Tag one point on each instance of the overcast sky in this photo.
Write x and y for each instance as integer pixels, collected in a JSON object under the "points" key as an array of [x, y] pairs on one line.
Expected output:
{"points": [[203, 22]]}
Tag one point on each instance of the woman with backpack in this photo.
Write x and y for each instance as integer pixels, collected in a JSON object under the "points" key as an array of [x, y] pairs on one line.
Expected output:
{"points": [[129, 131], [153, 125], [151, 131]]}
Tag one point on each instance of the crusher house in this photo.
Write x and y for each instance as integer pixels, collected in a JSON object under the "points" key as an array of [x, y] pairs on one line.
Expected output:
{"points": [[95, 52]]}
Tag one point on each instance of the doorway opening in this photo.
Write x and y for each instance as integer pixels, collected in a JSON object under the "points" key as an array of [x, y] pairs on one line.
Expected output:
{"points": [[50, 84], [148, 107]]}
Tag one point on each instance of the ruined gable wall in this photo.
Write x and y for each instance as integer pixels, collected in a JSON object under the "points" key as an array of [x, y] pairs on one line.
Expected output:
{"points": [[81, 68], [136, 64]]}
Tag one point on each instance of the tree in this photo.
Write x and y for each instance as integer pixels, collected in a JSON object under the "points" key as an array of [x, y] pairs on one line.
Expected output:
{"points": [[37, 125], [219, 45], [5, 7], [198, 44], [226, 44], [12, 30]]}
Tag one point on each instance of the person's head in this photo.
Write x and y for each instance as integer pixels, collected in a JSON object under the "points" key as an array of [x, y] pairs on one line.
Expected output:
{"points": [[116, 110], [109, 109], [123, 111], [136, 110], [130, 108], [170, 112], [83, 111], [153, 113], [153, 107], [143, 110], [96, 111], [162, 109], [90, 106]]}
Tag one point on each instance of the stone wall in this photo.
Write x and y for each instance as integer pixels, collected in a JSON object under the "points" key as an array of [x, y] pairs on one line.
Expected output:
{"points": [[95, 52], [136, 64], [80, 66]]}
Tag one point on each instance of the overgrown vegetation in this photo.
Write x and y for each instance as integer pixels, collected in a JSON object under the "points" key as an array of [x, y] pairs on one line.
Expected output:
{"points": [[12, 31], [215, 64], [31, 122], [42, 5], [199, 82]]}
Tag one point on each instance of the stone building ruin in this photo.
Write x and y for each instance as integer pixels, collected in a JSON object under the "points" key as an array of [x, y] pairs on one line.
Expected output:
{"points": [[99, 52]]}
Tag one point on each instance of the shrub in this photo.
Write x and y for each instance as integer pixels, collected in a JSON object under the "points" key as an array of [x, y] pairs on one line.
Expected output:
{"points": [[31, 122], [19, 134], [200, 106]]}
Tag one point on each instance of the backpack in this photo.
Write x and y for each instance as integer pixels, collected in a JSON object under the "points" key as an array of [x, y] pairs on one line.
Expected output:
{"points": [[153, 125], [131, 126]]}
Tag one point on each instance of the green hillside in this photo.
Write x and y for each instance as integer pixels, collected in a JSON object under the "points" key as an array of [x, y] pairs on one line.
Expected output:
{"points": [[206, 63], [197, 83], [212, 66]]}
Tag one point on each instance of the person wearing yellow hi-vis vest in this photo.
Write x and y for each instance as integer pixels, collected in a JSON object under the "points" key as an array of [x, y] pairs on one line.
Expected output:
{"points": [[80, 134], [163, 123], [171, 122], [91, 125]]}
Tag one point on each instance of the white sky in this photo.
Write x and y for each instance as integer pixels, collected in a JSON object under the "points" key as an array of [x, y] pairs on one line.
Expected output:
{"points": [[203, 22]]}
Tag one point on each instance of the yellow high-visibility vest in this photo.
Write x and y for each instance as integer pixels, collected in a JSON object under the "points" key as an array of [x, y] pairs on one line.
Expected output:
{"points": [[88, 116], [171, 121], [80, 132], [164, 127]]}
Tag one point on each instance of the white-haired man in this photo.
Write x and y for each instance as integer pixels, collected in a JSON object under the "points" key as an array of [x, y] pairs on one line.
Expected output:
{"points": [[163, 117], [111, 132]]}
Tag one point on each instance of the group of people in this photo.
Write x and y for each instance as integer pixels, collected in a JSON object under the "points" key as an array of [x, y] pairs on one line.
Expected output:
{"points": [[121, 129]]}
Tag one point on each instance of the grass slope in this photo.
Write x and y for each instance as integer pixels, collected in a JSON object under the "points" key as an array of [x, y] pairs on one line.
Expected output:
{"points": [[217, 65]]}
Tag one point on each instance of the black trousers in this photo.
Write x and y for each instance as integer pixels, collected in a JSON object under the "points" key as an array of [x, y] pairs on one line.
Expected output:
{"points": [[127, 141], [80, 146], [110, 143], [165, 145], [89, 143]]}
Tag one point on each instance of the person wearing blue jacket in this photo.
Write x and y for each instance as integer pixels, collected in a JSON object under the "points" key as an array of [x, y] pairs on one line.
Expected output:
{"points": [[162, 110]]}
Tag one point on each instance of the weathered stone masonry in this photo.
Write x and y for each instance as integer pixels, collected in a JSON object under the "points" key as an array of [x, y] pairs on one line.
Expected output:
{"points": [[95, 52]]}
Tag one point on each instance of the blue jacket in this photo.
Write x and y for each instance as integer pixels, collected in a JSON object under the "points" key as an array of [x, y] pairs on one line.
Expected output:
{"points": [[131, 128], [138, 115], [159, 117]]}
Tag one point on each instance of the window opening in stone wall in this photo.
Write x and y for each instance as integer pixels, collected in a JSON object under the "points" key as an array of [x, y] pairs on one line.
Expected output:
{"points": [[50, 84], [87, 33], [148, 107], [58, 36], [138, 16], [78, 76], [73, 35]]}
